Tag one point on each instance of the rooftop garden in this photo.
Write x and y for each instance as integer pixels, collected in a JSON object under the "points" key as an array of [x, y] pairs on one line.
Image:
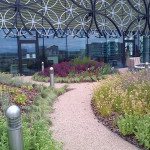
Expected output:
{"points": [[35, 102], [76, 70], [122, 103]]}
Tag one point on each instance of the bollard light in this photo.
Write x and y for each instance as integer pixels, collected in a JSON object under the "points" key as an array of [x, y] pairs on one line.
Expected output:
{"points": [[42, 66], [14, 126], [146, 65], [51, 76]]}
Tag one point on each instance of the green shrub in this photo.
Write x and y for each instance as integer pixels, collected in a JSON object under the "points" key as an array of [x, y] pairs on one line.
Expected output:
{"points": [[76, 61], [3, 134], [142, 131], [19, 82], [35, 136], [20, 99], [5, 78], [85, 60], [14, 91], [138, 125], [30, 87], [4, 101], [127, 124]]}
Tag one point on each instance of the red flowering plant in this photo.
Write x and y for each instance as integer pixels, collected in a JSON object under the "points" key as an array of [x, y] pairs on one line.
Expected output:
{"points": [[79, 68]]}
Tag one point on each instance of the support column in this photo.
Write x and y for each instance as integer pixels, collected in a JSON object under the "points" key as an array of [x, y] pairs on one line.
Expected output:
{"points": [[146, 48]]}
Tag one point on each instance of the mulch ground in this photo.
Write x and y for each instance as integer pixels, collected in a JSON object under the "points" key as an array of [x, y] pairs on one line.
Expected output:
{"points": [[30, 94], [109, 123]]}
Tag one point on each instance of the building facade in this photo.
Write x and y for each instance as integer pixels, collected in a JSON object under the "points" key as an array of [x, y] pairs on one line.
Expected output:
{"points": [[33, 31]]}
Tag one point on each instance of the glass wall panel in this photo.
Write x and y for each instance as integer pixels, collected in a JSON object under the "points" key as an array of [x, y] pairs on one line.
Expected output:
{"points": [[42, 56], [9, 55], [54, 50], [97, 49], [76, 47], [114, 51], [29, 58]]}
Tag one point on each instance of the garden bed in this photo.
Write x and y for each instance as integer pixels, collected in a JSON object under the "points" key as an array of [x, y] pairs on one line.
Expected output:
{"points": [[111, 124], [122, 103], [36, 103], [30, 93], [77, 70]]}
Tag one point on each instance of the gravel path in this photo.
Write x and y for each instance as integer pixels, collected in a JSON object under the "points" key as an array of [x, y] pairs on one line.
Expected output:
{"points": [[75, 124]]}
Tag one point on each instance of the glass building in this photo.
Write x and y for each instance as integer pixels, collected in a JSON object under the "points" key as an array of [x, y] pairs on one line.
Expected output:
{"points": [[32, 31]]}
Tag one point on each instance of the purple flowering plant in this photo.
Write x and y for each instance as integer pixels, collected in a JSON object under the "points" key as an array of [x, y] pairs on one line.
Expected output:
{"points": [[80, 69]]}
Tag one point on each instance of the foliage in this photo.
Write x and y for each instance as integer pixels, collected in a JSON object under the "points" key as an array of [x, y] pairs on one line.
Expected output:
{"points": [[3, 134], [77, 70], [79, 60], [20, 99], [124, 95], [43, 103], [76, 66], [35, 136], [35, 120], [62, 69], [127, 95], [40, 78], [83, 77], [5, 78], [138, 125], [127, 124], [4, 101], [18, 82], [14, 91], [142, 131], [30, 87]]}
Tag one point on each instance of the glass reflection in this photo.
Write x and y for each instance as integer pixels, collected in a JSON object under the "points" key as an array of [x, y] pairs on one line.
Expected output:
{"points": [[76, 47], [52, 50], [8, 55], [29, 62], [97, 49]]}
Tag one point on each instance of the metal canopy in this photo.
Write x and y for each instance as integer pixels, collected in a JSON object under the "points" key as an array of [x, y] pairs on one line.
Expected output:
{"points": [[75, 17]]}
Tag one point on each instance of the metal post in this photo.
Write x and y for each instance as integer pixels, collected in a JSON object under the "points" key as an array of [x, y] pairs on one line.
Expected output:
{"points": [[51, 76], [146, 65], [14, 126], [42, 66]]}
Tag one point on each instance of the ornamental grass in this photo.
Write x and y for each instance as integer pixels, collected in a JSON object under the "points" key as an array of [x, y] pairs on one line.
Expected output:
{"points": [[128, 97], [128, 93]]}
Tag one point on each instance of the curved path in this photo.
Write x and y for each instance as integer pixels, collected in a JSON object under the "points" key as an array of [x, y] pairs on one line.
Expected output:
{"points": [[75, 124]]}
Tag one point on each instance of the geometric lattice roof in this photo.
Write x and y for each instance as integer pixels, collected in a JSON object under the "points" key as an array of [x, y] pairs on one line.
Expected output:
{"points": [[75, 17]]}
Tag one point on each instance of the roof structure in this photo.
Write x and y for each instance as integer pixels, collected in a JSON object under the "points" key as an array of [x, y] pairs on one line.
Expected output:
{"points": [[75, 17]]}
